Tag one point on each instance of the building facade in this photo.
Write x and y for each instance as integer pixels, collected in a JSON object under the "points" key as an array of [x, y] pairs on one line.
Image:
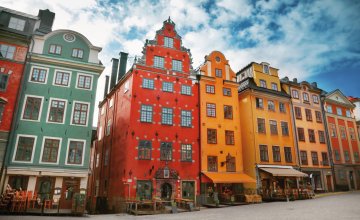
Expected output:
{"points": [[310, 130], [50, 143], [148, 126], [356, 111], [220, 132], [269, 147], [344, 140]]}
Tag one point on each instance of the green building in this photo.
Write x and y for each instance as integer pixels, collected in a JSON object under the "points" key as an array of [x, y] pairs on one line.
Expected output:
{"points": [[49, 147]]}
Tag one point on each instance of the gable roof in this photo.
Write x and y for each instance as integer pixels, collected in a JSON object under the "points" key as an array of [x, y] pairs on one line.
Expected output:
{"points": [[338, 97]]}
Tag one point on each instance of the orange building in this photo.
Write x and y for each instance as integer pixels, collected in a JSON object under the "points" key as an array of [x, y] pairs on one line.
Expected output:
{"points": [[221, 149], [311, 138], [269, 151]]}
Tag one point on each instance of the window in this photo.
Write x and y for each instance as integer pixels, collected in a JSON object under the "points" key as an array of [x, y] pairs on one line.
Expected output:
{"points": [[273, 127], [230, 163], [78, 53], [2, 108], [144, 189], [148, 83], [337, 155], [75, 154], [342, 132], [314, 156], [211, 136], [32, 108], [259, 103], [315, 99], [226, 92], [108, 128], [311, 135], [262, 83], [55, 49], [168, 42], [25, 147], [303, 156], [167, 116], [177, 65], [332, 130], [276, 153], [106, 158], [301, 134], [186, 152], [229, 138], [144, 150], [295, 94], [50, 151], [284, 128], [306, 97], [308, 114], [210, 89], [80, 113], [264, 153], [329, 109], [167, 87], [356, 157], [212, 163], [274, 86], [57, 110], [318, 116], [186, 118], [228, 112], [266, 69], [146, 113], [288, 154], [17, 24], [342, 174], [298, 114], [210, 110], [338, 111], [3, 81], [261, 125], [38, 75], [271, 106], [84, 82], [325, 160], [166, 151], [322, 137], [185, 90], [347, 156], [62, 78], [348, 114], [7, 51], [218, 73], [352, 133], [158, 62], [282, 108]]}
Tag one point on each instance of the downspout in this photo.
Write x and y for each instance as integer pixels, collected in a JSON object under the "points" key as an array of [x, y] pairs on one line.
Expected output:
{"points": [[199, 134], [294, 133], [253, 140]]}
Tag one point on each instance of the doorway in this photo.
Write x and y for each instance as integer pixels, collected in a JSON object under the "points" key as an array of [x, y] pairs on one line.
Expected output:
{"points": [[328, 182], [166, 191], [351, 178], [69, 188]]}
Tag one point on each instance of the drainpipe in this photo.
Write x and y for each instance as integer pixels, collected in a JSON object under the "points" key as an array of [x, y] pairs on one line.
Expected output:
{"points": [[199, 134], [294, 133]]}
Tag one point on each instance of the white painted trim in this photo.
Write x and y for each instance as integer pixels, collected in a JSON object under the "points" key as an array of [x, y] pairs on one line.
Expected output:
{"points": [[39, 67], [42, 149], [67, 152], [87, 115], [64, 68], [24, 104], [48, 111], [16, 147], [84, 74], [274, 166], [65, 71]]}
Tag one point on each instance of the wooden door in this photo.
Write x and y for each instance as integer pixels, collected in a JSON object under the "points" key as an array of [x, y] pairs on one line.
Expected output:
{"points": [[69, 188], [328, 182]]}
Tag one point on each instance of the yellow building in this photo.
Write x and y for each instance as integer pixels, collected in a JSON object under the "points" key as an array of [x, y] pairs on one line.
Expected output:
{"points": [[269, 151], [311, 136], [221, 149]]}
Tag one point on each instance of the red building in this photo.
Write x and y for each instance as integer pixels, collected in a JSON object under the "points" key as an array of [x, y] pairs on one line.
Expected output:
{"points": [[148, 134]]}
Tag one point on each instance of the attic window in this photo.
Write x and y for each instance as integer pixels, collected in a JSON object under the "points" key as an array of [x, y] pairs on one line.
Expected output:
{"points": [[17, 24], [266, 68], [168, 42]]}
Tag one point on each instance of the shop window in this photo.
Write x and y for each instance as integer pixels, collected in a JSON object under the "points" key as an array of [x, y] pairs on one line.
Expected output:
{"points": [[18, 182]]}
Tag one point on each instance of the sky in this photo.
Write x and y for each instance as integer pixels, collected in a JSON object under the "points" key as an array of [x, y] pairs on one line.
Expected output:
{"points": [[305, 39]]}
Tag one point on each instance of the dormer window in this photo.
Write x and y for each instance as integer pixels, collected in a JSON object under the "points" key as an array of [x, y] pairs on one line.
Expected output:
{"points": [[266, 68], [7, 51], [17, 24], [55, 49], [168, 42], [262, 83], [78, 53]]}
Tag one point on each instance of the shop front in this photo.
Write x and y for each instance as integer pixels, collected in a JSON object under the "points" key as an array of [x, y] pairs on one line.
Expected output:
{"points": [[320, 180]]}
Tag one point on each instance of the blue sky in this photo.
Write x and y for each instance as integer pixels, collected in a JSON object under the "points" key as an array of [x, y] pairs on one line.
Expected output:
{"points": [[309, 40]]}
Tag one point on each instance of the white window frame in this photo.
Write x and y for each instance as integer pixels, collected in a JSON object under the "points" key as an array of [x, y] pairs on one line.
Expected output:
{"points": [[84, 74], [167, 41], [16, 147], [48, 111], [42, 150], [163, 62], [64, 71], [39, 67], [18, 26], [329, 109], [87, 116], [24, 104], [268, 68], [177, 64], [67, 152], [337, 111]]}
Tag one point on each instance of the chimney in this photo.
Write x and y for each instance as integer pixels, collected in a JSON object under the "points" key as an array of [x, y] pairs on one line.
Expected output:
{"points": [[122, 66], [46, 18], [314, 84], [295, 80], [115, 63], [106, 85]]}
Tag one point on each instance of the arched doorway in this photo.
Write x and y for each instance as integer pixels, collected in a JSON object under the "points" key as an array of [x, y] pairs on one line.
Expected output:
{"points": [[166, 191]]}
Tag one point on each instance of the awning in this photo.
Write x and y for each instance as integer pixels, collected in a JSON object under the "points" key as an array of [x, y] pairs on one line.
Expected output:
{"points": [[229, 177], [284, 172]]}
